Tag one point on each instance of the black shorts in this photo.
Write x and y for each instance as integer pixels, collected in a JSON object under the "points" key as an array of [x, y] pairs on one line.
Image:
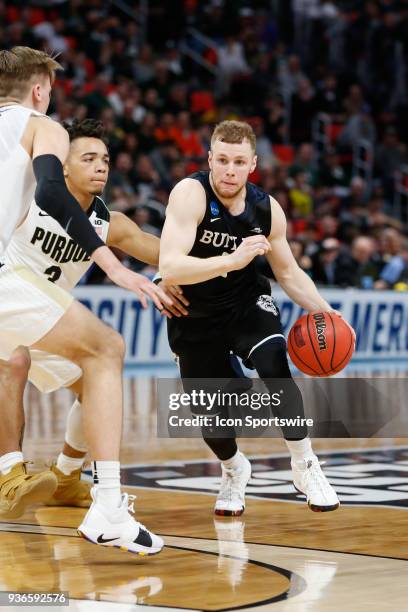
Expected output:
{"points": [[204, 345]]}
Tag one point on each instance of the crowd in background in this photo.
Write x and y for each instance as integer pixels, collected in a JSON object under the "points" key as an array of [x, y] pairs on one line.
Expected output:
{"points": [[278, 65]]}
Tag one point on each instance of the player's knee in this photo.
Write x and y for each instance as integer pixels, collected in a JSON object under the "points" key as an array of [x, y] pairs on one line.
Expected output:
{"points": [[20, 362], [114, 346], [270, 360]]}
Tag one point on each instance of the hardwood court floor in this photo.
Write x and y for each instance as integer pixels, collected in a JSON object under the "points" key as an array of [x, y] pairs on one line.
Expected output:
{"points": [[278, 556]]}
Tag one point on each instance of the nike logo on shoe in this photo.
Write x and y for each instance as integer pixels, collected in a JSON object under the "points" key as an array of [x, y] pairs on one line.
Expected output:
{"points": [[102, 540]]}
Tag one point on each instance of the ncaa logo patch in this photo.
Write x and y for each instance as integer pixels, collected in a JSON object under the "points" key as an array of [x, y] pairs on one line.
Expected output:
{"points": [[266, 302], [214, 209]]}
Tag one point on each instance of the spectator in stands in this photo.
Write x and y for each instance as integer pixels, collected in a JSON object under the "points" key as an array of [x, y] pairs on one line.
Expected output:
{"points": [[348, 62], [326, 268], [300, 196], [147, 178], [305, 162], [185, 137], [358, 127], [143, 66], [122, 175], [402, 281], [302, 111], [378, 218], [264, 151], [275, 119], [290, 75], [332, 174], [361, 268], [328, 226], [328, 98], [118, 96], [354, 101], [392, 247], [147, 138], [127, 119], [232, 64], [177, 99], [391, 154]]}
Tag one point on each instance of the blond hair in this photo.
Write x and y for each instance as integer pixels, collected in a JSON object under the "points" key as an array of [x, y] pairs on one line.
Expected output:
{"points": [[234, 132], [19, 67]]}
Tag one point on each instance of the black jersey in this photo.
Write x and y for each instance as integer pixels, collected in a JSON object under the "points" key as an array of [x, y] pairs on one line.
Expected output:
{"points": [[221, 233]]}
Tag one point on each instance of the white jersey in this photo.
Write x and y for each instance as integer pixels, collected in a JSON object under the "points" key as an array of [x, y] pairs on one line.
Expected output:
{"points": [[41, 244], [17, 178]]}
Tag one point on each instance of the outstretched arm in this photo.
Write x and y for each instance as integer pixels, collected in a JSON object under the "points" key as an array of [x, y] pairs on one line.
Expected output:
{"points": [[293, 280], [129, 238]]}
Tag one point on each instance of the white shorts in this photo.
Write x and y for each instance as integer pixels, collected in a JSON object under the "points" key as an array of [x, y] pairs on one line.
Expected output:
{"points": [[51, 372], [30, 306]]}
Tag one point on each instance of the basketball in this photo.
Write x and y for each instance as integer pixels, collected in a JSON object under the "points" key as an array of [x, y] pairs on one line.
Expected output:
{"points": [[320, 344]]}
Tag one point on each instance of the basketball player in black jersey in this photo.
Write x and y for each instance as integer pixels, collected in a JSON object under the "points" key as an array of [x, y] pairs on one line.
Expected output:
{"points": [[217, 224]]}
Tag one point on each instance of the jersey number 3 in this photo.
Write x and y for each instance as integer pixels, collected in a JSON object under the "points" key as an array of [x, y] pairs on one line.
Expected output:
{"points": [[53, 273]]}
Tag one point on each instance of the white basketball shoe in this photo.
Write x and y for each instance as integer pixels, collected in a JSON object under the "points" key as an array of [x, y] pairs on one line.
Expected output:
{"points": [[231, 498], [309, 479], [118, 528]]}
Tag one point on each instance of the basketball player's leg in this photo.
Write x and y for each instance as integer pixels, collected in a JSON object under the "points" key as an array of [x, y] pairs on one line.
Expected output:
{"points": [[17, 488], [48, 373], [13, 377], [262, 344], [212, 362], [99, 351], [31, 309], [71, 490]]}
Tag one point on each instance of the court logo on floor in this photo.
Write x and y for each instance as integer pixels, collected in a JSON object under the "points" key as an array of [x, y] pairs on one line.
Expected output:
{"points": [[377, 477]]}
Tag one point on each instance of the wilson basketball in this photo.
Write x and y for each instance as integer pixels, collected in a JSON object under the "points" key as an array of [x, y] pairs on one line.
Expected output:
{"points": [[320, 344]]}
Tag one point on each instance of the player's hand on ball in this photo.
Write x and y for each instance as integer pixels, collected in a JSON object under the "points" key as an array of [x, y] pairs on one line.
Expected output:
{"points": [[179, 301], [336, 312], [142, 286], [248, 249]]}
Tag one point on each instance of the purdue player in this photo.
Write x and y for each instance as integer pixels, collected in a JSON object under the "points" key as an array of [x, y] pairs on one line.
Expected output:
{"points": [[41, 244], [32, 149], [216, 224]]}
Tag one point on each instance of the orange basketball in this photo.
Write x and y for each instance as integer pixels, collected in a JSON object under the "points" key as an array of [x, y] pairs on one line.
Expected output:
{"points": [[320, 344]]}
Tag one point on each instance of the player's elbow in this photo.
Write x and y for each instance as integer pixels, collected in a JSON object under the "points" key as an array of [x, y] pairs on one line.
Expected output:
{"points": [[284, 276]]}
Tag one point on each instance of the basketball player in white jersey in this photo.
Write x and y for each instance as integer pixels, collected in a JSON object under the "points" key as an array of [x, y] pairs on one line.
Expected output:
{"points": [[42, 245], [32, 150]]}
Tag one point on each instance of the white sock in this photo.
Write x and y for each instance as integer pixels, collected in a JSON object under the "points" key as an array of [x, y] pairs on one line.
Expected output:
{"points": [[67, 465], [300, 449], [106, 477], [234, 462], [8, 461]]}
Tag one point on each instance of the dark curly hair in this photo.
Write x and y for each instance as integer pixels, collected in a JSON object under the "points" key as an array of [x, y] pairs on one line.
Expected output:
{"points": [[87, 128]]}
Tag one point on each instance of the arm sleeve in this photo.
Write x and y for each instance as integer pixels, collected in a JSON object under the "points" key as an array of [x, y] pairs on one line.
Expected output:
{"points": [[53, 197]]}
